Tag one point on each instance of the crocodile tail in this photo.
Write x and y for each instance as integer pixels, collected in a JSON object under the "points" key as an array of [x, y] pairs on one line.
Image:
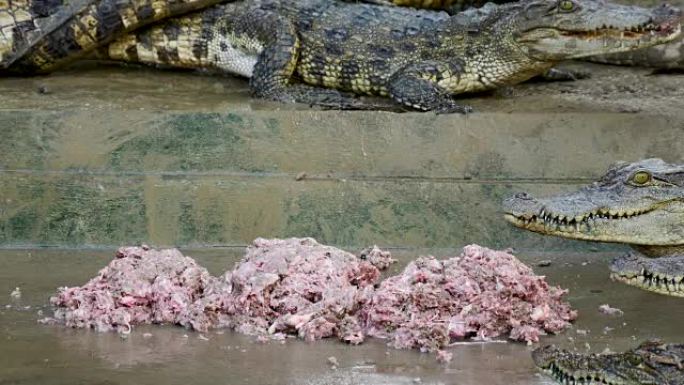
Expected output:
{"points": [[181, 42], [669, 56], [93, 25], [199, 40], [24, 23]]}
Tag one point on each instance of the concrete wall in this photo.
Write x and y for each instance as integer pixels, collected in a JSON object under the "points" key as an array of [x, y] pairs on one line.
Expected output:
{"points": [[81, 170]]}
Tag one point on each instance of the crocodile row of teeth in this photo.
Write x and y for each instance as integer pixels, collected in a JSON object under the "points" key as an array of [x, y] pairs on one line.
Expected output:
{"points": [[549, 219], [615, 33], [640, 28], [660, 283], [564, 377], [637, 28]]}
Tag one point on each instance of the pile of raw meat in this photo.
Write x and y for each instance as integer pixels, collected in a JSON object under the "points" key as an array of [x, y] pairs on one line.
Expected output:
{"points": [[139, 286], [481, 294], [299, 287], [292, 286]]}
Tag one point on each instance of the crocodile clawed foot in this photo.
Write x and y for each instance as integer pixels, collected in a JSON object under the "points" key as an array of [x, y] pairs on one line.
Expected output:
{"points": [[359, 104], [564, 75], [326, 99], [452, 107]]}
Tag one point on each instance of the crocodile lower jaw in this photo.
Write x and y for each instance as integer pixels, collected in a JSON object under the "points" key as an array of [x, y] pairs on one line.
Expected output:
{"points": [[653, 282], [564, 377]]}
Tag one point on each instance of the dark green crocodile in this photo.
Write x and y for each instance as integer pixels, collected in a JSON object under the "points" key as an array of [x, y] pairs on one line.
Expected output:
{"points": [[418, 58], [651, 363], [640, 204]]}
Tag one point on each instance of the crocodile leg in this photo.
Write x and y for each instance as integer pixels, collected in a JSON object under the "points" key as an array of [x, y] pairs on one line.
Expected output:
{"points": [[417, 86], [272, 77]]}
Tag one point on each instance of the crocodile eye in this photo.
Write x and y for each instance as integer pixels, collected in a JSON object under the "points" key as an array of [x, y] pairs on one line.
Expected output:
{"points": [[636, 361], [641, 177], [566, 5]]}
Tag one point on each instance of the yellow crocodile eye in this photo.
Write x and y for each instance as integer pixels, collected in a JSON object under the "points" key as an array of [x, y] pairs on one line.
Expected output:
{"points": [[566, 5], [641, 177]]}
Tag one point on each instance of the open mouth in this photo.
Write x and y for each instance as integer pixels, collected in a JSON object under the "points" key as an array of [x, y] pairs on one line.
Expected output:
{"points": [[664, 29], [546, 220]]}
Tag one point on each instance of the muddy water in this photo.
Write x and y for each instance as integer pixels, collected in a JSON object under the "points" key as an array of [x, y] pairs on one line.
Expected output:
{"points": [[31, 353]]}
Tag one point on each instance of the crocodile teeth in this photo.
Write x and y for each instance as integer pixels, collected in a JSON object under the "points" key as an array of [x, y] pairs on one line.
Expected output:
{"points": [[656, 282]]}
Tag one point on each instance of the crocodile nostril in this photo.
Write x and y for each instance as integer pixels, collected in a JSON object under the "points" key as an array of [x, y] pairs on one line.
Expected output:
{"points": [[523, 195]]}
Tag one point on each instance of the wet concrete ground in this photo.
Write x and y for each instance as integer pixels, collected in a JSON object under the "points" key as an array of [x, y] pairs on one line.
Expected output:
{"points": [[97, 86], [31, 353]]}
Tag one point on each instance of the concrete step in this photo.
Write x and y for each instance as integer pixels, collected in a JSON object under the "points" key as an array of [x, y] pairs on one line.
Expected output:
{"points": [[110, 156]]}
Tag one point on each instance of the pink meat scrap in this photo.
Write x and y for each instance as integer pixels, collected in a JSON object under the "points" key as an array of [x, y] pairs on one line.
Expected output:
{"points": [[481, 294], [292, 286], [140, 285], [377, 257]]}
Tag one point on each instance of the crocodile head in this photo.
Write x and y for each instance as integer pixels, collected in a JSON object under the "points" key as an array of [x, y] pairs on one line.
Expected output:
{"points": [[553, 30], [652, 363], [640, 204]]}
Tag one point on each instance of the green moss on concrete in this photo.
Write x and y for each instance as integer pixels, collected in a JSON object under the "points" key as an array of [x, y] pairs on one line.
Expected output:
{"points": [[26, 138], [88, 214], [191, 142], [331, 219]]}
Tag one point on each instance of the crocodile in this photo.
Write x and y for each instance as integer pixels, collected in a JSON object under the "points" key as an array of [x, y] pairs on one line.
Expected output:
{"points": [[668, 56], [40, 35], [640, 204], [304, 50], [653, 362]]}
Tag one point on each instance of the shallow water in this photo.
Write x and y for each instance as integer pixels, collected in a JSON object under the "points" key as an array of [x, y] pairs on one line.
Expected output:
{"points": [[33, 353]]}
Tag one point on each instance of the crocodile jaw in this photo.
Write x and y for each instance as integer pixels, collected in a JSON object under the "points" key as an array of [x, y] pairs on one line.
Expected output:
{"points": [[652, 362], [659, 224], [568, 368], [661, 275], [553, 44]]}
